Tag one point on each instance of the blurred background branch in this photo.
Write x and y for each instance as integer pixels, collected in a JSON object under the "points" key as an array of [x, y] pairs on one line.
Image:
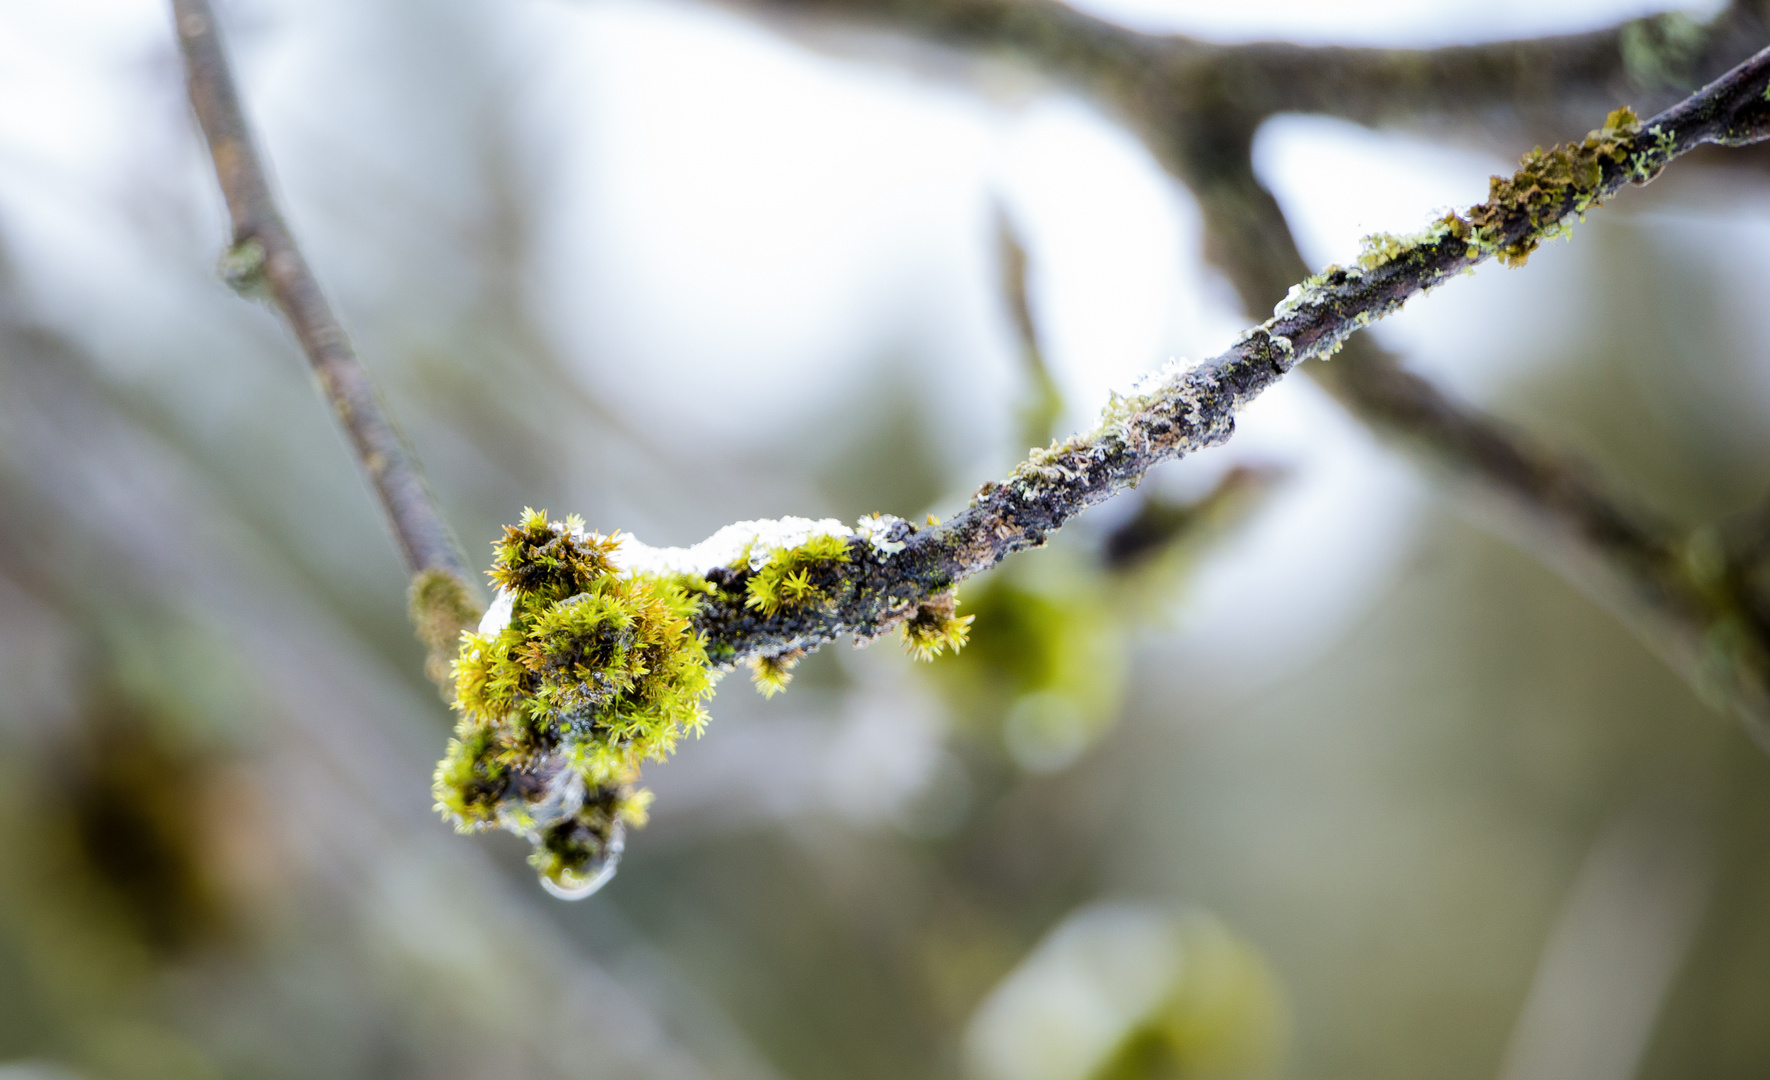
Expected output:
{"points": [[264, 259]]}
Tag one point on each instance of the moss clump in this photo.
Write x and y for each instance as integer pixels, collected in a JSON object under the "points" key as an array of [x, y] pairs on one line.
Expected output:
{"points": [[1380, 249], [470, 780], [594, 672], [785, 580], [936, 627], [771, 674], [1552, 184]]}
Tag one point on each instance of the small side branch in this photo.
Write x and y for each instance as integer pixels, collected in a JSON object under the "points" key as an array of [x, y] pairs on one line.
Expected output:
{"points": [[264, 257]]}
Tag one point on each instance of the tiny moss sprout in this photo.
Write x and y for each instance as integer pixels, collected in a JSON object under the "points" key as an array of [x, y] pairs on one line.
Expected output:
{"points": [[785, 579], [242, 269], [936, 627], [771, 674]]}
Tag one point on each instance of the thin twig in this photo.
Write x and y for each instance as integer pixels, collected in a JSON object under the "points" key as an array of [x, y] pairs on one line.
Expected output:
{"points": [[264, 255]]}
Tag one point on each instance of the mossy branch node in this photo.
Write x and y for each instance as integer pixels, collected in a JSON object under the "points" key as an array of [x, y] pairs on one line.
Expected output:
{"points": [[589, 663]]}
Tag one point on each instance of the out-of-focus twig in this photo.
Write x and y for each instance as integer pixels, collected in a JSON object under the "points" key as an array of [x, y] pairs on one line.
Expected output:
{"points": [[1159, 79], [264, 257], [1044, 404]]}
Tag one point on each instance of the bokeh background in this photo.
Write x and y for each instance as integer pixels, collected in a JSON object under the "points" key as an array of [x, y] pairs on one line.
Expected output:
{"points": [[1327, 780]]}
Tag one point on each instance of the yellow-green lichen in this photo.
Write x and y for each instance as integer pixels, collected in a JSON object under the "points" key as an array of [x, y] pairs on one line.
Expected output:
{"points": [[1044, 465], [1551, 185], [594, 672]]}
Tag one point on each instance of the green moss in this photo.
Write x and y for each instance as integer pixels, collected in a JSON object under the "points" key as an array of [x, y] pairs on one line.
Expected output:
{"points": [[542, 562], [771, 674], [469, 781], [935, 628], [595, 673], [785, 580], [242, 269]]}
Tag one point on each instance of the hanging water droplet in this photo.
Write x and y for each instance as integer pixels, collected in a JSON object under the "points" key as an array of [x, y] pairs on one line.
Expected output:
{"points": [[575, 883]]}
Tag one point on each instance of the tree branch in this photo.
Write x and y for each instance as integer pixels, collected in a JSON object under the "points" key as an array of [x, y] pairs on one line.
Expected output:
{"points": [[1199, 106], [1188, 410], [596, 654], [1627, 558], [265, 258]]}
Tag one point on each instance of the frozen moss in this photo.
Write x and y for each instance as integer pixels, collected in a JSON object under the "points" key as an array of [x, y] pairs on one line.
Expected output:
{"points": [[784, 580], [578, 674], [589, 663], [577, 854]]}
